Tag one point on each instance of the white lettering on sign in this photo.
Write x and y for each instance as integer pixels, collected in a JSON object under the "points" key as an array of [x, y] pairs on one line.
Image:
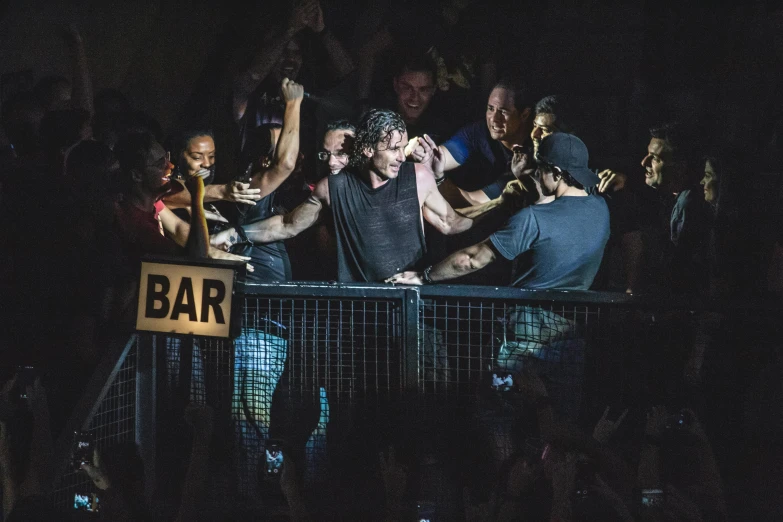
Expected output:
{"points": [[185, 299]]}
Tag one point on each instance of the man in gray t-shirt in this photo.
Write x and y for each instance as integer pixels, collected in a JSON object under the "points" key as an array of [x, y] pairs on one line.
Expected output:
{"points": [[558, 245], [562, 242]]}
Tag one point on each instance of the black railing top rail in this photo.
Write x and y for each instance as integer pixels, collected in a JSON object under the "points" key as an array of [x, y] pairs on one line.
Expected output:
{"points": [[319, 289]]}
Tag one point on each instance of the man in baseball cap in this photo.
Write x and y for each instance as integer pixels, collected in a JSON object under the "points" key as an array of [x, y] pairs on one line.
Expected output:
{"points": [[563, 241]]}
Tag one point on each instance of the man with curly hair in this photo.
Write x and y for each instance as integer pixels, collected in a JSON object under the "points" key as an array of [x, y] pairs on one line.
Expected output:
{"points": [[378, 204]]}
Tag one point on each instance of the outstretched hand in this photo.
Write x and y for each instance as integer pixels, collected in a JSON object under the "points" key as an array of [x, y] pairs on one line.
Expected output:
{"points": [[304, 11], [406, 278], [438, 159], [611, 180], [291, 91], [515, 195], [520, 163], [216, 253], [420, 150], [224, 239], [605, 428], [96, 472], [238, 192]]}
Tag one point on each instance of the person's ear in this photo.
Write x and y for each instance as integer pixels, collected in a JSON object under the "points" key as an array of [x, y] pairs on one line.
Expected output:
{"points": [[396, 84], [367, 151], [526, 113], [136, 176]]}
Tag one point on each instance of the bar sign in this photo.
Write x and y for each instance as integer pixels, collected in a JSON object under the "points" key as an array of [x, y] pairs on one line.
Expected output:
{"points": [[185, 299]]}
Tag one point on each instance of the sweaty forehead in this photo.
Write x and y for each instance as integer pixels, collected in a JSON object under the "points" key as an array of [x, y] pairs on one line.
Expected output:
{"points": [[335, 139], [416, 78], [392, 140], [201, 144], [501, 98], [658, 146]]}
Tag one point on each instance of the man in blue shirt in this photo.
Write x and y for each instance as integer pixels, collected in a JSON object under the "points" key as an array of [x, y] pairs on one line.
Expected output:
{"points": [[484, 148]]}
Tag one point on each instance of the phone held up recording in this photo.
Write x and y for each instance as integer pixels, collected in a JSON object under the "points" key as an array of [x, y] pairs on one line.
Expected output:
{"points": [[83, 446], [273, 460]]}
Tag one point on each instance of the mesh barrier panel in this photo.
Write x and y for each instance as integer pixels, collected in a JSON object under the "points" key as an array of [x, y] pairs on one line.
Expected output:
{"points": [[319, 354], [114, 421], [313, 362]]}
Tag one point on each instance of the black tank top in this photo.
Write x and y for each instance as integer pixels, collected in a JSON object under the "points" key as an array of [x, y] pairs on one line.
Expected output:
{"points": [[270, 261], [378, 231]]}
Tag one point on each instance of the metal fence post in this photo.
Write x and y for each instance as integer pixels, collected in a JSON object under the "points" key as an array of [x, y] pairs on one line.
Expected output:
{"points": [[146, 393], [410, 336]]}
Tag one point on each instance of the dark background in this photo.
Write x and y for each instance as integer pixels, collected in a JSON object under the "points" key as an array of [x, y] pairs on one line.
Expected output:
{"points": [[626, 65]]}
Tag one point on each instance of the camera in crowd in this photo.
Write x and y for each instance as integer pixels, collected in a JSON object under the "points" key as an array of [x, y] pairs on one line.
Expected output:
{"points": [[273, 460], [83, 447], [88, 502]]}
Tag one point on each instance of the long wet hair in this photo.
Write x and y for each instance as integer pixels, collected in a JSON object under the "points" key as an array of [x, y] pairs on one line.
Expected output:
{"points": [[375, 127]]}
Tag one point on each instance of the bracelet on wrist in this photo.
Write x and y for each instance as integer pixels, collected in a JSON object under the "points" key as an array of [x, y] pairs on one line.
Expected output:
{"points": [[439, 181], [242, 235], [425, 276]]}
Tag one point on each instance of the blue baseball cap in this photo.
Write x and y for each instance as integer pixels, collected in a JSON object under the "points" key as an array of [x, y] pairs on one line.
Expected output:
{"points": [[569, 153]]}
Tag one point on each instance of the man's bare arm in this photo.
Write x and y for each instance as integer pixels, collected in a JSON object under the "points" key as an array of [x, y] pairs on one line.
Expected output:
{"points": [[82, 91], [342, 64], [458, 264], [435, 209], [275, 228], [516, 195]]}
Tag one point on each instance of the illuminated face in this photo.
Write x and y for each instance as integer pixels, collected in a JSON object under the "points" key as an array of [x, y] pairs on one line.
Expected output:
{"points": [[337, 147], [656, 163], [414, 94], [543, 126], [199, 155], [155, 170], [503, 119], [710, 183], [289, 63], [388, 155]]}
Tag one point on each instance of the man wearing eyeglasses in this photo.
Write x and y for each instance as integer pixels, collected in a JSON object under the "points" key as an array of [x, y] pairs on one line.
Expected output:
{"points": [[337, 145]]}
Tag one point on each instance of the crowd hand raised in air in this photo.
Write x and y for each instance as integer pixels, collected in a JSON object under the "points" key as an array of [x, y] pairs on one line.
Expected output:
{"points": [[605, 428], [611, 180], [291, 91], [305, 14], [521, 164]]}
